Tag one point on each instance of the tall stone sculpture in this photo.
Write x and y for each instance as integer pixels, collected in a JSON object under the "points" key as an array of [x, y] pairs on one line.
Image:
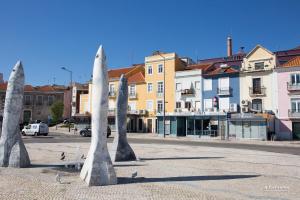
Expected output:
{"points": [[12, 149], [121, 150], [98, 168]]}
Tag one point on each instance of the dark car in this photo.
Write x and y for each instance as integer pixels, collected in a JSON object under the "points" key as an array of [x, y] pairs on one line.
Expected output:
{"points": [[86, 132]]}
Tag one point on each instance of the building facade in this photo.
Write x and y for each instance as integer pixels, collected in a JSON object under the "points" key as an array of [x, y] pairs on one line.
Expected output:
{"points": [[257, 91], [160, 69], [37, 101], [288, 115], [221, 89]]}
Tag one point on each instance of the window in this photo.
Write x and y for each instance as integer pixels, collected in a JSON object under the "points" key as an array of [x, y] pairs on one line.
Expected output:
{"points": [[197, 105], [207, 103], [111, 87], [256, 83], [131, 106], [259, 65], [50, 100], [178, 104], [160, 87], [132, 90], [197, 85], [295, 105], [149, 105], [27, 100], [178, 86], [257, 104], [149, 70], [224, 104], [39, 100], [187, 105], [295, 79], [160, 68], [149, 87], [207, 84], [160, 106], [223, 83]]}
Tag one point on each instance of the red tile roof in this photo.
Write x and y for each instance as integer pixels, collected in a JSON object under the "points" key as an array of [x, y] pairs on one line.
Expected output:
{"points": [[201, 66], [30, 88], [294, 62], [221, 70], [137, 78], [116, 73]]}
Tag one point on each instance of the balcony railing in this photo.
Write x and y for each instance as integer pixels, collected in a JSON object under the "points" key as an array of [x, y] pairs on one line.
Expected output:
{"points": [[132, 95], [160, 93], [258, 91], [226, 91], [293, 86], [112, 94], [187, 92], [294, 113]]}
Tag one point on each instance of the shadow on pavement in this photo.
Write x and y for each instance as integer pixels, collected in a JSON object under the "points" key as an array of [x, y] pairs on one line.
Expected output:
{"points": [[126, 180], [181, 158]]}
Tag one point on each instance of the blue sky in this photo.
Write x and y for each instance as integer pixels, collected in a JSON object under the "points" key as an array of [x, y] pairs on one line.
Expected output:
{"points": [[49, 34]]}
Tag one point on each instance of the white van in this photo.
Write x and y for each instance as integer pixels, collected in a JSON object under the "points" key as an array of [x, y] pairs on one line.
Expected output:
{"points": [[36, 129]]}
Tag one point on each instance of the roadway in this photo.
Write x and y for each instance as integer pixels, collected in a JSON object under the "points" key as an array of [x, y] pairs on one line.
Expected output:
{"points": [[64, 138]]}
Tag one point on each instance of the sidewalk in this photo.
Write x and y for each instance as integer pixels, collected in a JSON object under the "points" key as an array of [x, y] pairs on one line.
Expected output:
{"points": [[192, 138]]}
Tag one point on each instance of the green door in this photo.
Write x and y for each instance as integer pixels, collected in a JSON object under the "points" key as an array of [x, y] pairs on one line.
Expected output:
{"points": [[296, 130], [26, 116]]}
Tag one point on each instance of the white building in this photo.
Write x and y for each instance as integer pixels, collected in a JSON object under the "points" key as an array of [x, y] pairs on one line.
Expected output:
{"points": [[188, 90]]}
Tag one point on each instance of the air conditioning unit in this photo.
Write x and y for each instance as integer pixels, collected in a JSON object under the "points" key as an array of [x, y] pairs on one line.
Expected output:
{"points": [[245, 109], [209, 109], [224, 66], [245, 103], [233, 107]]}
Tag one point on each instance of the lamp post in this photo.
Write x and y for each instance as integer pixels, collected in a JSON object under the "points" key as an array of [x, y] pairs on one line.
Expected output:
{"points": [[164, 113], [71, 90]]}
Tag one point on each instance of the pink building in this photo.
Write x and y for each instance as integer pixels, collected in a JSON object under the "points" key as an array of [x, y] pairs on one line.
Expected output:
{"points": [[288, 114]]}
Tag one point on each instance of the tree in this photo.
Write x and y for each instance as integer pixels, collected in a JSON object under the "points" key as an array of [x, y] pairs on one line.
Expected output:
{"points": [[57, 110]]}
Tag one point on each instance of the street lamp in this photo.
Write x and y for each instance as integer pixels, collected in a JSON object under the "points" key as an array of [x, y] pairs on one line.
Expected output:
{"points": [[71, 83], [164, 115]]}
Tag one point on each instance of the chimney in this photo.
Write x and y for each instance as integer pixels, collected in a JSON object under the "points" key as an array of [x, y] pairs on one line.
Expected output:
{"points": [[229, 46]]}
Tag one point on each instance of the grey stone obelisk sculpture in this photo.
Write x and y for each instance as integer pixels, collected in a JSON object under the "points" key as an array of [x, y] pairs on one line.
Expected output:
{"points": [[121, 150], [12, 149], [98, 168]]}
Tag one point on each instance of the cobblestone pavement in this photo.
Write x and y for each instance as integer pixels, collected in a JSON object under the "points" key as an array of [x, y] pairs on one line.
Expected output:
{"points": [[164, 172]]}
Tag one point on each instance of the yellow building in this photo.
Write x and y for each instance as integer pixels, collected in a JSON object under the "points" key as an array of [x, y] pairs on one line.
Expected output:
{"points": [[154, 78], [136, 101]]}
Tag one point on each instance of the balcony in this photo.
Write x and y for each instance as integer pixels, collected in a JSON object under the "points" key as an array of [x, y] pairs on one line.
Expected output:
{"points": [[160, 94], [132, 95], [294, 113], [293, 86], [256, 92], [224, 91], [187, 92], [112, 94]]}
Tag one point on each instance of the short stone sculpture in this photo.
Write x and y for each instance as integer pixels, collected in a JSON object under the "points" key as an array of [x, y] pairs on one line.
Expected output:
{"points": [[98, 168], [12, 149], [121, 150]]}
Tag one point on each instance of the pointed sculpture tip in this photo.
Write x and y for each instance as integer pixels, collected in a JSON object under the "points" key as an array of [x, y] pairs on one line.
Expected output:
{"points": [[100, 51], [18, 66]]}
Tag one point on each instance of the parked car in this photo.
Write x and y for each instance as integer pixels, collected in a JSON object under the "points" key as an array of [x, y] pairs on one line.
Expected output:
{"points": [[36, 129], [86, 132]]}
